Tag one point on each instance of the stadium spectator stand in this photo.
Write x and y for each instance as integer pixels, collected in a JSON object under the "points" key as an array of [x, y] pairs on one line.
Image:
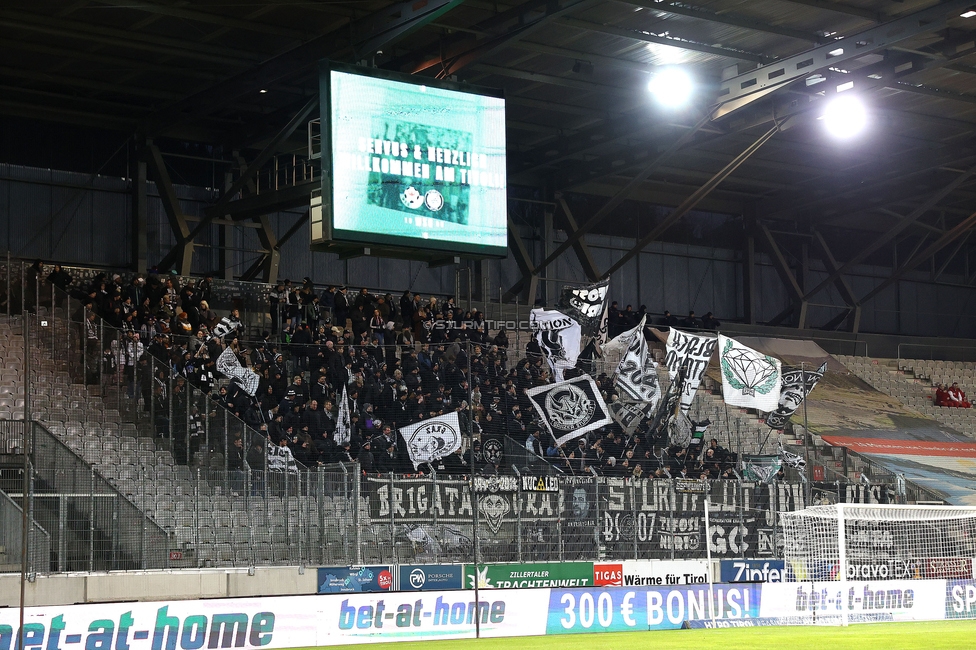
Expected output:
{"points": [[914, 381]]}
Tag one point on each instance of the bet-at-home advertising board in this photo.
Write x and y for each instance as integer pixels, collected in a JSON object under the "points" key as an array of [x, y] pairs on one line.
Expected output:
{"points": [[351, 618]]}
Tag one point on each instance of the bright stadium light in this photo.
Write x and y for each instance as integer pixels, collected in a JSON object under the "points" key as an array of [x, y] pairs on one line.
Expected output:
{"points": [[671, 87], [845, 117]]}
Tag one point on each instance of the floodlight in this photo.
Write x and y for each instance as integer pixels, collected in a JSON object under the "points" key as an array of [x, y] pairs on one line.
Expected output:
{"points": [[845, 116], [968, 14], [671, 87]]}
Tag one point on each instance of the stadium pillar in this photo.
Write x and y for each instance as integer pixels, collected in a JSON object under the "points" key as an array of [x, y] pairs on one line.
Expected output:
{"points": [[786, 274], [749, 268]]}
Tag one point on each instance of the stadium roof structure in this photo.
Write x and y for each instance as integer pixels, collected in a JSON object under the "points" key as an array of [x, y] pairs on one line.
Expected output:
{"points": [[580, 118]]}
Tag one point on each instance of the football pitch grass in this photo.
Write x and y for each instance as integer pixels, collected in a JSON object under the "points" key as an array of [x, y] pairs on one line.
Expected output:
{"points": [[888, 636]]}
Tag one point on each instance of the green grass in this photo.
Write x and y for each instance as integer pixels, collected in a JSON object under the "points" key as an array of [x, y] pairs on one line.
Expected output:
{"points": [[887, 636]]}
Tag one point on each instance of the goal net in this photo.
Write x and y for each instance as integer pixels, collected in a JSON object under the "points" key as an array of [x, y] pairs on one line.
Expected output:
{"points": [[879, 542]]}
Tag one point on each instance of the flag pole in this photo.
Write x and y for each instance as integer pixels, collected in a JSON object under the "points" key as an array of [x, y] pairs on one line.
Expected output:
{"points": [[474, 497], [808, 487]]}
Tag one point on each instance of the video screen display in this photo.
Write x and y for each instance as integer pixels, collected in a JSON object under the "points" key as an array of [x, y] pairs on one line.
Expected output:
{"points": [[414, 165]]}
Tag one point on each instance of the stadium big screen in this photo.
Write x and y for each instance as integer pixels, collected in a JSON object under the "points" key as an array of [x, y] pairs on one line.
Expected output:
{"points": [[411, 163]]}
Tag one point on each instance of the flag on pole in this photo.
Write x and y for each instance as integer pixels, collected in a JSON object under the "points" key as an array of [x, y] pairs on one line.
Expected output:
{"points": [[793, 393], [432, 439], [225, 327], [559, 337], [750, 379], [343, 432], [689, 353], [586, 304], [229, 365], [570, 408]]}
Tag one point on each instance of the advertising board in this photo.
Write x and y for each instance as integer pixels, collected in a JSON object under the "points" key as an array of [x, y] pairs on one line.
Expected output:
{"points": [[752, 570], [529, 576], [647, 608], [349, 618], [429, 577], [636, 573], [864, 601], [960, 599], [345, 579]]}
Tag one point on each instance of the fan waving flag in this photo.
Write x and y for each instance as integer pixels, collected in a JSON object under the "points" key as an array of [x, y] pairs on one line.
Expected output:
{"points": [[690, 353], [432, 439], [570, 408], [225, 327], [343, 426], [750, 379], [793, 393], [558, 336], [586, 304], [637, 373], [228, 364]]}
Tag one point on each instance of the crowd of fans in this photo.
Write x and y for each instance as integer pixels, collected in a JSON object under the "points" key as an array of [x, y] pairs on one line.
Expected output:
{"points": [[621, 320], [400, 360]]}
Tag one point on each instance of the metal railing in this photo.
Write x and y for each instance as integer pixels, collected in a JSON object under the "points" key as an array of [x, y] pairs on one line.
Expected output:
{"points": [[11, 539]]}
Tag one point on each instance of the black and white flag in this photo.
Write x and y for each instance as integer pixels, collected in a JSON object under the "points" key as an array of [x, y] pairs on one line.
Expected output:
{"points": [[432, 439], [629, 415], [224, 327], [229, 365], [750, 379], [280, 459], [637, 372], [343, 431], [585, 304], [559, 336], [570, 408], [760, 468], [793, 393], [691, 352], [796, 461]]}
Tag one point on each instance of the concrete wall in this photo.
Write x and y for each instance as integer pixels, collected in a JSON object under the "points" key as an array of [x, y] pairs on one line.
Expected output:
{"points": [[70, 588]]}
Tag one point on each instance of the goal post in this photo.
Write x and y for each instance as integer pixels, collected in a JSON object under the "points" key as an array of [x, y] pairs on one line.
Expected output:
{"points": [[879, 542]]}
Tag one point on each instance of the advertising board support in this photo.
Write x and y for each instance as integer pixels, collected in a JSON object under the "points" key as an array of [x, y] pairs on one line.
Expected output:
{"points": [[518, 512]]}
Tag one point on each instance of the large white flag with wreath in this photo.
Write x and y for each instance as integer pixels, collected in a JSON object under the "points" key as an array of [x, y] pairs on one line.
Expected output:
{"points": [[750, 379]]}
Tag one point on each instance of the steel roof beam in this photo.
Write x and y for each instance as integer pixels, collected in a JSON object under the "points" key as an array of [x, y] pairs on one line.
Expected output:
{"points": [[340, 42], [205, 17], [696, 197], [724, 18], [960, 229], [837, 7], [893, 232], [741, 90], [647, 37], [126, 39]]}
